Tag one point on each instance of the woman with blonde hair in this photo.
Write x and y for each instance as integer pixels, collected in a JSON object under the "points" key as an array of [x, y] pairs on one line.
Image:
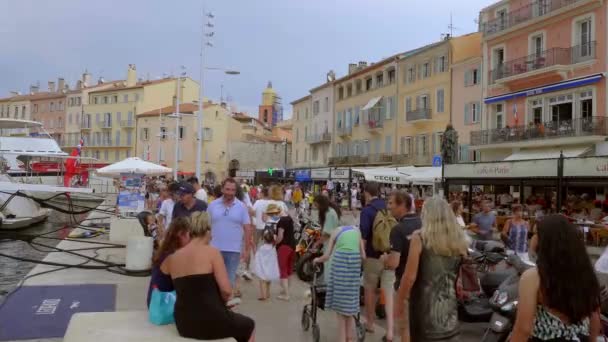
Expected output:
{"points": [[203, 289], [429, 281]]}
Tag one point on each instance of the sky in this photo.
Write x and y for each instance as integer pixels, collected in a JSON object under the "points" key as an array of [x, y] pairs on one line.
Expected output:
{"points": [[292, 43]]}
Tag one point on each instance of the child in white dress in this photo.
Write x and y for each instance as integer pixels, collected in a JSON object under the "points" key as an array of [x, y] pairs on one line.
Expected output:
{"points": [[266, 264]]}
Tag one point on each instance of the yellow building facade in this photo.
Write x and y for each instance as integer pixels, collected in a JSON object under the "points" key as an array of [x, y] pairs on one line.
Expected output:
{"points": [[365, 122], [156, 138], [108, 123], [302, 122]]}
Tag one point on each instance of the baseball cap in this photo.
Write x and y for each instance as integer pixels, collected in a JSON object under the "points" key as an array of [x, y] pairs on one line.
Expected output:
{"points": [[185, 188]]}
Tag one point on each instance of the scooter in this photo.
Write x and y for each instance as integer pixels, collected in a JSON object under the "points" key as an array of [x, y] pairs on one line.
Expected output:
{"points": [[491, 269], [504, 303]]}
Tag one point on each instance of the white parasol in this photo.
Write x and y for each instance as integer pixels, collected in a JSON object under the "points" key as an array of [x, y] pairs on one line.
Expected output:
{"points": [[133, 165]]}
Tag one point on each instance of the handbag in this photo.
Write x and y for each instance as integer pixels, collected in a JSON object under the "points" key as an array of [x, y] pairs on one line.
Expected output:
{"points": [[162, 306], [468, 285]]}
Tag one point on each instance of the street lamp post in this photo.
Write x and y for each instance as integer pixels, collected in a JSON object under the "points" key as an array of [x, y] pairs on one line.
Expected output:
{"points": [[205, 41], [177, 114], [285, 159]]}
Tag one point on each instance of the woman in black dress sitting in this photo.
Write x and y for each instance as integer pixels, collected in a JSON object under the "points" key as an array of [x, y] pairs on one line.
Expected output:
{"points": [[202, 286]]}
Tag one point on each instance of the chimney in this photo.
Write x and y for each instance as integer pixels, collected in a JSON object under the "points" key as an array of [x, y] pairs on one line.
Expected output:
{"points": [[101, 80], [60, 84], [86, 79], [362, 64], [352, 67], [34, 89], [51, 86], [79, 85], [131, 76]]}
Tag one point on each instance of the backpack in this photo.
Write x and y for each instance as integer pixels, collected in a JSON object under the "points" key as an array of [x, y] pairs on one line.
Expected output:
{"points": [[381, 230]]}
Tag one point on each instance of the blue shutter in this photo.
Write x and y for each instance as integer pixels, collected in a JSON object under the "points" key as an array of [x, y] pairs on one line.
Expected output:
{"points": [[393, 106]]}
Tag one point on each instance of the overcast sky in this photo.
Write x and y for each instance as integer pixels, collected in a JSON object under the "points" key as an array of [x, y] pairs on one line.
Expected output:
{"points": [[292, 43]]}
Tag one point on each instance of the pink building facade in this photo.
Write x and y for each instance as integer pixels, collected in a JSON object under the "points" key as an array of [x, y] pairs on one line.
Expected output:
{"points": [[544, 79]]}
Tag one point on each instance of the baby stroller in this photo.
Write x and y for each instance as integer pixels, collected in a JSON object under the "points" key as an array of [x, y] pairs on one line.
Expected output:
{"points": [[317, 301]]}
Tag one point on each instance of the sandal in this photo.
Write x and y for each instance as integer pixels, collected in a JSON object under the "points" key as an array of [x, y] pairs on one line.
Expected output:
{"points": [[238, 294], [384, 339], [283, 297], [369, 330]]}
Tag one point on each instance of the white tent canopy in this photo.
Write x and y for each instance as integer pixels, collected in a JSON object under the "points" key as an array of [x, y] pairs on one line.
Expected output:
{"points": [[133, 165], [402, 175]]}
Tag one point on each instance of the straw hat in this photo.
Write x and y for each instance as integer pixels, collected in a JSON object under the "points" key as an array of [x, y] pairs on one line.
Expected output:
{"points": [[273, 209]]}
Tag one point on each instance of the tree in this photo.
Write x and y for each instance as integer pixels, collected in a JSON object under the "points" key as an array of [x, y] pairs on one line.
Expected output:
{"points": [[449, 145]]}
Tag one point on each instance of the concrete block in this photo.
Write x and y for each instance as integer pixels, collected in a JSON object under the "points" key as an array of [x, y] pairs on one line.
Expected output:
{"points": [[121, 326], [121, 229]]}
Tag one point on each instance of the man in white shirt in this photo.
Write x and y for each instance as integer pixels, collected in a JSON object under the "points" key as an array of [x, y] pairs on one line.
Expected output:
{"points": [[165, 213], [200, 193], [260, 208]]}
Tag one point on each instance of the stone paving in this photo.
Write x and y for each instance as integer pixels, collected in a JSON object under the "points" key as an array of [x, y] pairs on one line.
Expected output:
{"points": [[276, 320]]}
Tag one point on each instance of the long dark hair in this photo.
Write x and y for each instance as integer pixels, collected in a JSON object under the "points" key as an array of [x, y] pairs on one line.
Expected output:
{"points": [[171, 242], [323, 203], [562, 257]]}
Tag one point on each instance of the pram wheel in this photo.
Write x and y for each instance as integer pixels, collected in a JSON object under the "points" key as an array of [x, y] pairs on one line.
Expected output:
{"points": [[305, 318], [360, 331], [316, 333]]}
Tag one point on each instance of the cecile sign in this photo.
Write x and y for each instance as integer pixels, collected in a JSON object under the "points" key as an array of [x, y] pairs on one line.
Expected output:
{"points": [[387, 179]]}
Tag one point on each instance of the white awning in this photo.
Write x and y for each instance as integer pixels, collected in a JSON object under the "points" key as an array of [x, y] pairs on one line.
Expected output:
{"points": [[548, 153], [402, 175], [133, 165], [371, 103]]}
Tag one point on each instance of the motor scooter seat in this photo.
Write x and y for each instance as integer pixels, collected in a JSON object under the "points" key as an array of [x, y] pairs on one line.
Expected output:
{"points": [[477, 310]]}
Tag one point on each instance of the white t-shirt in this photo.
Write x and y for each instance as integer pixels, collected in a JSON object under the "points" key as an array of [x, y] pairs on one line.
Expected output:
{"points": [[260, 207], [201, 194], [166, 210], [460, 221], [287, 195]]}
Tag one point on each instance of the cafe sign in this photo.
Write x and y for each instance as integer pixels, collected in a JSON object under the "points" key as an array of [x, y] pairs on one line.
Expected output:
{"points": [[319, 174], [511, 169], [340, 173], [586, 167]]}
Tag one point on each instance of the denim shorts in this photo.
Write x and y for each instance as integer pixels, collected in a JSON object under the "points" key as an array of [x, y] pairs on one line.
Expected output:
{"points": [[231, 260]]}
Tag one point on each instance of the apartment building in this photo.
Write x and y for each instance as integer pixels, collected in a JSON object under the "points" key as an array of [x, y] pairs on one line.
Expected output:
{"points": [[302, 122], [49, 108], [76, 100], [365, 127], [467, 96], [321, 124], [156, 138], [109, 117], [545, 87], [17, 106], [427, 90]]}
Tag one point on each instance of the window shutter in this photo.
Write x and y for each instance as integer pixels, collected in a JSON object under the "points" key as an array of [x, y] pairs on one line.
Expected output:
{"points": [[467, 78], [434, 135], [478, 110], [467, 114], [118, 117]]}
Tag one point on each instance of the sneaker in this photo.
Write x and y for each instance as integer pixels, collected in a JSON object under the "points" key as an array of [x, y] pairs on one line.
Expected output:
{"points": [[247, 276], [283, 297]]}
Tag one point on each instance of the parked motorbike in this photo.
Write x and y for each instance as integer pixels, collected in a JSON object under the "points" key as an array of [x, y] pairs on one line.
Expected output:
{"points": [[504, 303], [491, 268], [309, 247]]}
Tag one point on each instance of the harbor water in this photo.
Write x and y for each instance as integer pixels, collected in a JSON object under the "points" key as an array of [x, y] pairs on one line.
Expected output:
{"points": [[12, 271]]}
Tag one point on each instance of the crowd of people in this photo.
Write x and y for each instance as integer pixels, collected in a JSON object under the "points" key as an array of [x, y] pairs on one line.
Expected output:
{"points": [[208, 240]]}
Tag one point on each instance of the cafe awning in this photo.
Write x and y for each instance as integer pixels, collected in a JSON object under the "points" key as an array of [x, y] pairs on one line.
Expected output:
{"points": [[546, 89], [401, 175], [371, 103], [548, 153]]}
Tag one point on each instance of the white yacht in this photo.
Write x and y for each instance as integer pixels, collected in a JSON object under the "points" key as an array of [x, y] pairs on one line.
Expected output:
{"points": [[21, 203]]}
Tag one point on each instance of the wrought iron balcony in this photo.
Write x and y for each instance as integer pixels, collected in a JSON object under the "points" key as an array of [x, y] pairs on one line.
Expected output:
{"points": [[418, 114], [344, 130], [375, 121], [589, 126], [106, 124], [127, 124], [545, 59], [319, 138], [85, 125], [338, 161], [523, 14], [382, 158]]}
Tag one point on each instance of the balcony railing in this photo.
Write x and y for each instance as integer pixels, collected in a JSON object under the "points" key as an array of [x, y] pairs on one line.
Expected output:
{"points": [[344, 130], [85, 125], [589, 126], [375, 120], [127, 124], [106, 124], [382, 158], [418, 114], [545, 59], [533, 10], [318, 138]]}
